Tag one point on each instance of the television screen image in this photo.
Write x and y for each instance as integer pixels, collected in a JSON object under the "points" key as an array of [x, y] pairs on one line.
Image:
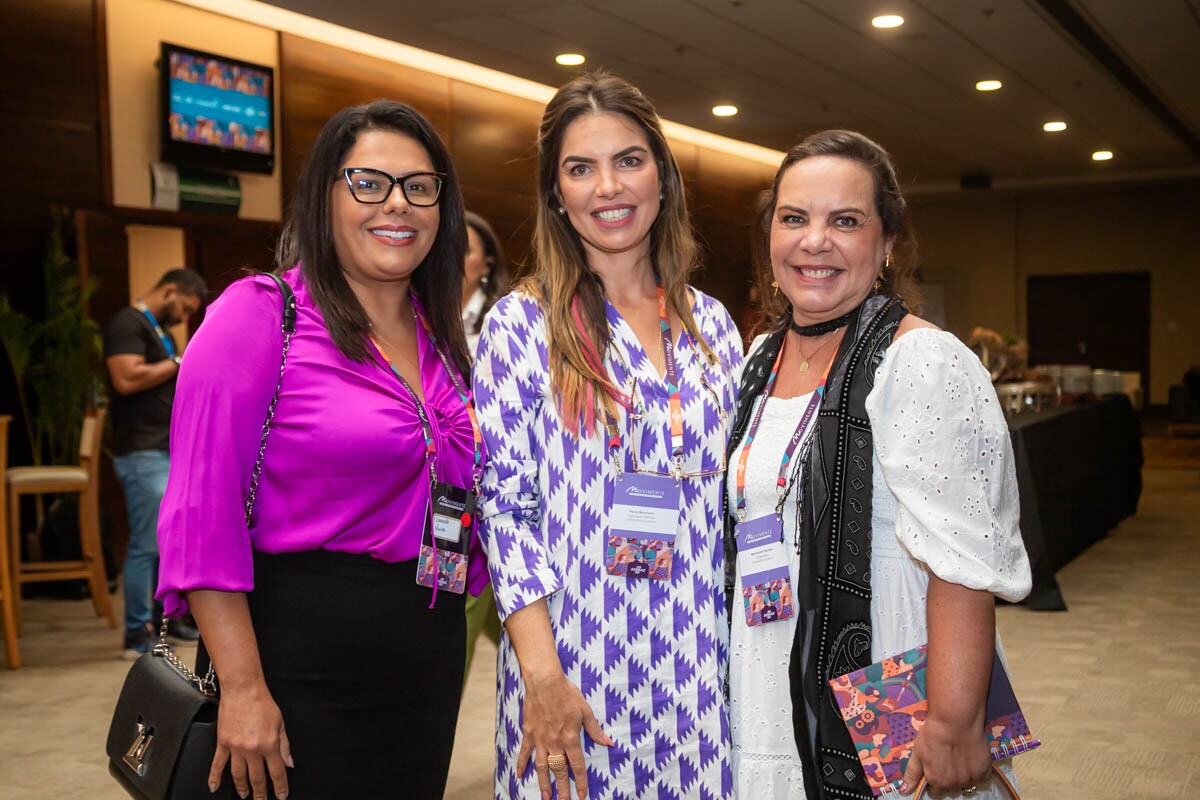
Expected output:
{"points": [[215, 102], [217, 111]]}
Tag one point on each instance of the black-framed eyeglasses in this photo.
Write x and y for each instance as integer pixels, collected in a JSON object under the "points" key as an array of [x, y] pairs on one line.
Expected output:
{"points": [[375, 186]]}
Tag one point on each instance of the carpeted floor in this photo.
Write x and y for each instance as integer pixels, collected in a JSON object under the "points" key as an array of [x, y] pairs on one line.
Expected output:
{"points": [[1171, 453], [1112, 686]]}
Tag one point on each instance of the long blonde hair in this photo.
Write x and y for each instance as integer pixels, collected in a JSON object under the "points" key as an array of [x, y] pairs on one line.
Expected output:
{"points": [[571, 294]]}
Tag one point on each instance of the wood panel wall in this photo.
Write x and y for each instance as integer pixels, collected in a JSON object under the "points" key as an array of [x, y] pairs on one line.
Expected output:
{"points": [[49, 128], [491, 136], [220, 248], [50, 149]]}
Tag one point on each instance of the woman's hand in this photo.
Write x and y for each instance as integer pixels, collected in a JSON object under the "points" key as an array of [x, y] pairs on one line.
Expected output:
{"points": [[555, 711], [252, 739], [951, 758], [250, 733], [951, 749]]}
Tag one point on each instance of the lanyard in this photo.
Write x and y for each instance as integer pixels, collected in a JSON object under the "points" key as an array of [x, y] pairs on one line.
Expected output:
{"points": [[674, 400], [788, 453], [463, 395], [676, 405], [167, 344]]}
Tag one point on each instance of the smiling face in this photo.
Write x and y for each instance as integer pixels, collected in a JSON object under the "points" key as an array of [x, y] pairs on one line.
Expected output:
{"points": [[386, 241], [827, 240], [608, 184]]}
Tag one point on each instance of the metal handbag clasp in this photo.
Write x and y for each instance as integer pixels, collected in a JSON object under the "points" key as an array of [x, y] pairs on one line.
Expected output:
{"points": [[135, 756]]}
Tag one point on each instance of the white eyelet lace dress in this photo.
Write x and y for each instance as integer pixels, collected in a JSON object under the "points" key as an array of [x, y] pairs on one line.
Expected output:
{"points": [[944, 500], [766, 763]]}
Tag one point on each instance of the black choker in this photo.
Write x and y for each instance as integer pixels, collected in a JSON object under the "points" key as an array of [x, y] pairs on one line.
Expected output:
{"points": [[821, 328]]}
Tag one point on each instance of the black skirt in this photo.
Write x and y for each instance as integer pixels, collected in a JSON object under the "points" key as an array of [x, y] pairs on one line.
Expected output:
{"points": [[367, 676]]}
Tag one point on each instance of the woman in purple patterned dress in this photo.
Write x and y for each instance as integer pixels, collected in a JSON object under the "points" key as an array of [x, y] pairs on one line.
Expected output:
{"points": [[604, 386]]}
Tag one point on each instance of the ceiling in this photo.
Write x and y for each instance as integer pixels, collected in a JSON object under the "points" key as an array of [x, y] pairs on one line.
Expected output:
{"points": [[1123, 74]]}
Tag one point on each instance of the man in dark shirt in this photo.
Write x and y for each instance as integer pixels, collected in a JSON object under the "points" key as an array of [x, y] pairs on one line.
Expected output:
{"points": [[143, 360]]}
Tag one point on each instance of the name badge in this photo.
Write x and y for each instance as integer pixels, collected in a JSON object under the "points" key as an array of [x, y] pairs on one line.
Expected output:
{"points": [[642, 523], [446, 568], [763, 562], [453, 516]]}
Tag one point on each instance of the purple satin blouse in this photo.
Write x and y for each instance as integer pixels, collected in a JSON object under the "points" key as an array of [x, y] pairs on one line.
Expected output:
{"points": [[345, 462]]}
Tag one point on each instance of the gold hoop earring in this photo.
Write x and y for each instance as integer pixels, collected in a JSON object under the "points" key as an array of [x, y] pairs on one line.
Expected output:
{"points": [[775, 286], [887, 261]]}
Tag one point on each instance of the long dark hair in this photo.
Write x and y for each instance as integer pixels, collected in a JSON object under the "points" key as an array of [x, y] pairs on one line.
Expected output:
{"points": [[308, 232], [899, 279], [496, 284], [571, 294]]}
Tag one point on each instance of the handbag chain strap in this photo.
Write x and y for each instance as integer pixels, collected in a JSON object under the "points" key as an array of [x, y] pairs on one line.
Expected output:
{"points": [[266, 428], [208, 684]]}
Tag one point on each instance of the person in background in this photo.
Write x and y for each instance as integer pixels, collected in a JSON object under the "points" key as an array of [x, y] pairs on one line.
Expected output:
{"points": [[872, 443], [143, 360], [604, 385], [485, 277], [334, 612]]}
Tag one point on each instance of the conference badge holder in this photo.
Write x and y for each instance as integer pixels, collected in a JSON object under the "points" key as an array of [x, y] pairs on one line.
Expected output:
{"points": [[444, 561], [763, 563], [645, 514]]}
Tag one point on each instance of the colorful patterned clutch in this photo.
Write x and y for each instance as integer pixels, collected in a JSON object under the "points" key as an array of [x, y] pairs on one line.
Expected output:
{"points": [[884, 708]]}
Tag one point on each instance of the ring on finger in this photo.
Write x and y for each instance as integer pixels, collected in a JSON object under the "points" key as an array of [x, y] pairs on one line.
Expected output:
{"points": [[557, 763], [969, 790]]}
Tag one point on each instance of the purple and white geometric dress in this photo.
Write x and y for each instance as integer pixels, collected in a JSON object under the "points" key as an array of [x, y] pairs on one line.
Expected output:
{"points": [[650, 656]]}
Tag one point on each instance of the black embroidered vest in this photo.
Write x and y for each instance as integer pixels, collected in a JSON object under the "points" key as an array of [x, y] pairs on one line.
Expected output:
{"points": [[833, 634]]}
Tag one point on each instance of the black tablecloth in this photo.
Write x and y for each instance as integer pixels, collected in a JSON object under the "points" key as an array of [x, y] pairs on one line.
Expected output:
{"points": [[1079, 471]]}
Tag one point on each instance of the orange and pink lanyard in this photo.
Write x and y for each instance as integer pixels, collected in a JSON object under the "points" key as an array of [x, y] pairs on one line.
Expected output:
{"points": [[463, 394], [426, 428], [790, 452], [674, 401]]}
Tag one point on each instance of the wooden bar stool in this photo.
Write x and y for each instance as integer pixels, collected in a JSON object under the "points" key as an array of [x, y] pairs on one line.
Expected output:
{"points": [[85, 480], [7, 598]]}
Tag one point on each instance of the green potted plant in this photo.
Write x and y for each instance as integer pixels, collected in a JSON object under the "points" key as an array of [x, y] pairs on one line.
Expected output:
{"points": [[55, 357]]}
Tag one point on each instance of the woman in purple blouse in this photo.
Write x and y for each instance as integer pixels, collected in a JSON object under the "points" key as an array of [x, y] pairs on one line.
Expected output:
{"points": [[333, 661]]}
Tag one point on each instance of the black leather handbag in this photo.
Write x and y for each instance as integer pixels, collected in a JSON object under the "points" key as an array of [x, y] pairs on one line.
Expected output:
{"points": [[163, 734], [164, 731]]}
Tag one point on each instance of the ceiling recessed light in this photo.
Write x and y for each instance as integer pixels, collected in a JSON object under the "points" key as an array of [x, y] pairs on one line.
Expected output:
{"points": [[888, 21], [724, 111], [570, 59], [988, 86], [1054, 127], [1102, 155]]}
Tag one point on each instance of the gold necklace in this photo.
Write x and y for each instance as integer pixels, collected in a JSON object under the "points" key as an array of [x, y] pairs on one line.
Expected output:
{"points": [[804, 366]]}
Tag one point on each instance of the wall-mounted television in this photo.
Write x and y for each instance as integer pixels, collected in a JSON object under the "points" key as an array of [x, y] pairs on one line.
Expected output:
{"points": [[216, 112]]}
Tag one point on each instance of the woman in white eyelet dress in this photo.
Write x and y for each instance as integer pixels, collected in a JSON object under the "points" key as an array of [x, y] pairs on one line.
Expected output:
{"points": [[914, 505], [944, 504]]}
